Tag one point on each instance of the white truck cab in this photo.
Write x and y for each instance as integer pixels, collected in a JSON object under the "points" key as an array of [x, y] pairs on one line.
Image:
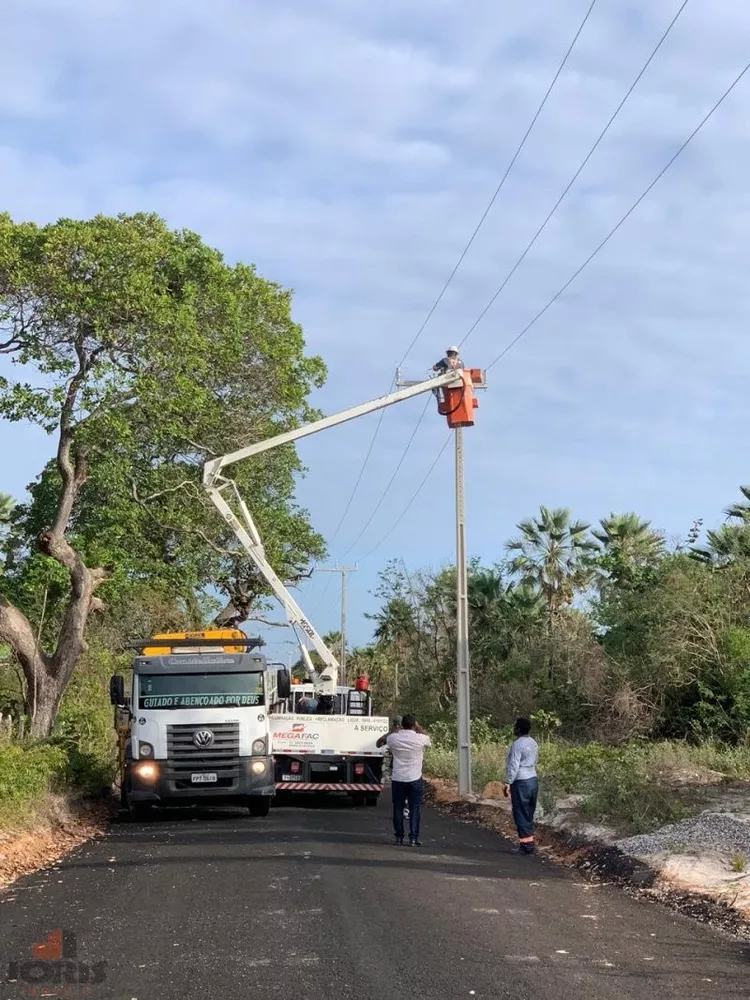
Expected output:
{"points": [[195, 726]]}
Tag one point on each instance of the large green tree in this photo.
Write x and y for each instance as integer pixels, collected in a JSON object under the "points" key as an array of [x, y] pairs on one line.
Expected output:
{"points": [[141, 352]]}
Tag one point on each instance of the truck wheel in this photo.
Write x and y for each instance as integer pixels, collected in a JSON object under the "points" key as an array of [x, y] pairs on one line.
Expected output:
{"points": [[371, 800], [358, 799], [259, 805]]}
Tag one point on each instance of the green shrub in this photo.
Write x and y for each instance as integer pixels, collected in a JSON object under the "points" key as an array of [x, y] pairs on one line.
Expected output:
{"points": [[85, 725], [625, 786], [79, 757], [632, 803], [27, 775]]}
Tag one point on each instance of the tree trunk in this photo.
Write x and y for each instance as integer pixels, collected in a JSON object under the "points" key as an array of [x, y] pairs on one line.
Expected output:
{"points": [[49, 695], [47, 675]]}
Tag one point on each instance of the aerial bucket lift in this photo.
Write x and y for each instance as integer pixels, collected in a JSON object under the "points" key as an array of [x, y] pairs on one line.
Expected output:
{"points": [[335, 750], [457, 404]]}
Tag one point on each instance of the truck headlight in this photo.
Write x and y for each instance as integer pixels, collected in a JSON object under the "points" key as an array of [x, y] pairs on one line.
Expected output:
{"points": [[258, 766], [145, 749], [259, 746], [147, 771]]}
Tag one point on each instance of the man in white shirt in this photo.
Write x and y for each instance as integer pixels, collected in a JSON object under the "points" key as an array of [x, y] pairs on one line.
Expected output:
{"points": [[407, 748]]}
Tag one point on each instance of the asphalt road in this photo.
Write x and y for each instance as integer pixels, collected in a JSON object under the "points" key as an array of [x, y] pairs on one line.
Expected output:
{"points": [[316, 902]]}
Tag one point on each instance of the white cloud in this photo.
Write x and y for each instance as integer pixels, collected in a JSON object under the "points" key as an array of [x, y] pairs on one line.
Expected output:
{"points": [[348, 148]]}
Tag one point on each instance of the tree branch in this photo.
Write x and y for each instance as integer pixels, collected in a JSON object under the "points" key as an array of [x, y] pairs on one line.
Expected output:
{"points": [[141, 501], [18, 632], [72, 470]]}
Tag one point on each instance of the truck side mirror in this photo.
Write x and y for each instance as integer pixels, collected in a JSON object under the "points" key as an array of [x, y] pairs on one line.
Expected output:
{"points": [[283, 684], [117, 690]]}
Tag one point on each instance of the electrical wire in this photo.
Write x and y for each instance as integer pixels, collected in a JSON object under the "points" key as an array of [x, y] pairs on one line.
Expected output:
{"points": [[576, 175], [454, 271], [392, 479], [503, 179], [596, 250], [414, 496], [624, 218]]}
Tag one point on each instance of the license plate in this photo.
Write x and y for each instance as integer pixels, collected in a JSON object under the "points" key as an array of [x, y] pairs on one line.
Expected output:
{"points": [[202, 779], [291, 777]]}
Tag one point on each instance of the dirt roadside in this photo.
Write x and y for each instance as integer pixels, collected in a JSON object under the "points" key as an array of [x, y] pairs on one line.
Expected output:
{"points": [[60, 826]]}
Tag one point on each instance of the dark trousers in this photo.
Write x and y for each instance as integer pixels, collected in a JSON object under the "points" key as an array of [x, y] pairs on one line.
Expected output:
{"points": [[523, 794], [403, 792]]}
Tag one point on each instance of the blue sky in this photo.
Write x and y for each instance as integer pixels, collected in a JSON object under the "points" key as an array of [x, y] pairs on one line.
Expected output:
{"points": [[348, 149]]}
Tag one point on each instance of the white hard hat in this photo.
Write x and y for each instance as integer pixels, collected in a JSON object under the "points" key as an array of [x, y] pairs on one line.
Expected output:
{"points": [[452, 350]]}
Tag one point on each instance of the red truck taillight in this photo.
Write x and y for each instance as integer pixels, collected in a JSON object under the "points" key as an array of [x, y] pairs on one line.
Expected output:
{"points": [[359, 769]]}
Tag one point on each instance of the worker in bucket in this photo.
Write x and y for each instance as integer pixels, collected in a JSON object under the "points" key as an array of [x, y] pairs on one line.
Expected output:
{"points": [[522, 784], [450, 361]]}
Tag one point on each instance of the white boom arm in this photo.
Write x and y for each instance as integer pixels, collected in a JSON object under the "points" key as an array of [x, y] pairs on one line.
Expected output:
{"points": [[218, 487]]}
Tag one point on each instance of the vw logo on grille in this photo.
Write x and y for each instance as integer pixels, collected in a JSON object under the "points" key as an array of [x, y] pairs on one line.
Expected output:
{"points": [[203, 738]]}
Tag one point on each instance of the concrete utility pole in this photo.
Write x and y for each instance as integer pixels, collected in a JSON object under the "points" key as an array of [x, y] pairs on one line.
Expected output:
{"points": [[463, 706], [343, 570]]}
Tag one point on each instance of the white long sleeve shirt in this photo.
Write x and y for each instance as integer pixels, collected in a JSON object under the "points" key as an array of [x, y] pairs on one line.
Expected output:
{"points": [[522, 760]]}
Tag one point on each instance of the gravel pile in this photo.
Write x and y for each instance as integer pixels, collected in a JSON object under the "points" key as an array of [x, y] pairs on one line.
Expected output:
{"points": [[708, 833]]}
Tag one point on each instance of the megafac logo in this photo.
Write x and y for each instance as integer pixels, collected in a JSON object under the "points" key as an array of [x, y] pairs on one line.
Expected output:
{"points": [[297, 733], [54, 969]]}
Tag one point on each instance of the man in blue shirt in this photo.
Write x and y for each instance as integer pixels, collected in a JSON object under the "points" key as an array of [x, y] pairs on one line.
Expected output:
{"points": [[522, 783]]}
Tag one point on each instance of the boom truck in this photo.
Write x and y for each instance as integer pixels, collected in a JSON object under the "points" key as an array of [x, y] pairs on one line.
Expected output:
{"points": [[333, 750], [194, 728]]}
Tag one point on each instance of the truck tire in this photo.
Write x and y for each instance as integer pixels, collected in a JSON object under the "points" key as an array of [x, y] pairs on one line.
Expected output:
{"points": [[372, 800], [259, 805]]}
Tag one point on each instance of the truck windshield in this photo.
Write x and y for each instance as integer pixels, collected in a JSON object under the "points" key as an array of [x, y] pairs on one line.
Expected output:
{"points": [[210, 690]]}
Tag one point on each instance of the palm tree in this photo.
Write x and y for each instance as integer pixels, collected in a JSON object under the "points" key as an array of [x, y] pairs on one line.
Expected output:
{"points": [[628, 544], [740, 511], [554, 556], [500, 613], [725, 546]]}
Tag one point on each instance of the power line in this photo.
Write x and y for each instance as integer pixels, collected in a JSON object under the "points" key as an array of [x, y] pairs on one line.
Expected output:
{"points": [[382, 496], [393, 477], [624, 218], [447, 283], [592, 255], [503, 179], [414, 496], [576, 175]]}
